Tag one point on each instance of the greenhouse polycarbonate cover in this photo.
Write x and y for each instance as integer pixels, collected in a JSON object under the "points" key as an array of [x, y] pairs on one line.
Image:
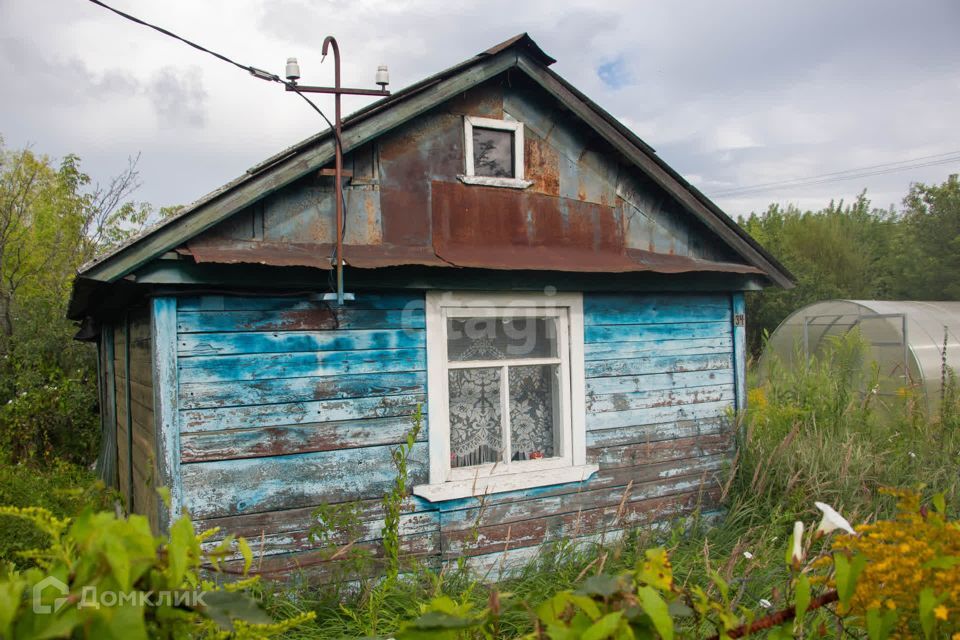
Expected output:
{"points": [[904, 337]]}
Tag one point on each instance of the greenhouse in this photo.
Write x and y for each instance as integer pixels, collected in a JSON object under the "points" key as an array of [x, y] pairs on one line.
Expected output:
{"points": [[912, 343]]}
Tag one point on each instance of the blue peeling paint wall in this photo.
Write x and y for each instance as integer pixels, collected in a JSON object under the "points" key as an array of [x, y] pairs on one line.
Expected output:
{"points": [[285, 404]]}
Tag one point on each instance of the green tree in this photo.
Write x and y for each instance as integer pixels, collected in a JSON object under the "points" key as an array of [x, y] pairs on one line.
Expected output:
{"points": [[836, 252], [53, 218], [928, 248]]}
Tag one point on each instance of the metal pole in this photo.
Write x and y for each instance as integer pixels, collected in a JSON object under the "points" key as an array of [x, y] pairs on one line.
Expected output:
{"points": [[338, 155]]}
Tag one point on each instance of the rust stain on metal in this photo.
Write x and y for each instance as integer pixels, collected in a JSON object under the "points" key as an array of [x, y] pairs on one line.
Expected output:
{"points": [[483, 101], [541, 164], [277, 254]]}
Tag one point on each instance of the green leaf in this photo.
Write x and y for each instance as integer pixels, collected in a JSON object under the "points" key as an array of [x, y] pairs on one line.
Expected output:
{"points": [[942, 562], [119, 561], [880, 623], [10, 591], [846, 573], [602, 585], [605, 627], [655, 570], [178, 550], [679, 609], [223, 607], [440, 620], [246, 553], [927, 602], [655, 606], [940, 504], [721, 585], [802, 596]]}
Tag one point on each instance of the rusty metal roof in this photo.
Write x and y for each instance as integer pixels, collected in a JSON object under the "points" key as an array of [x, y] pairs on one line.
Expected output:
{"points": [[557, 253]]}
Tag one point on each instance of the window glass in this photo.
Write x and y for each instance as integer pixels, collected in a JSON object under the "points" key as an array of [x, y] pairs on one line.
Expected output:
{"points": [[493, 153], [501, 338], [534, 411], [476, 435]]}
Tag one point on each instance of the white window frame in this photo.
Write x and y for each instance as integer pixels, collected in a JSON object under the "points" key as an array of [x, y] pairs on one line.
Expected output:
{"points": [[517, 181], [570, 465]]}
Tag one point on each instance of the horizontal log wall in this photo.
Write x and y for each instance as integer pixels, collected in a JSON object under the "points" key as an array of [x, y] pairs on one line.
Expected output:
{"points": [[285, 404]]}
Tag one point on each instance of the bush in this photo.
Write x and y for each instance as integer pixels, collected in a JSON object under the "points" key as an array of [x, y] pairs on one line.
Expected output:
{"points": [[52, 415], [101, 576], [60, 487]]}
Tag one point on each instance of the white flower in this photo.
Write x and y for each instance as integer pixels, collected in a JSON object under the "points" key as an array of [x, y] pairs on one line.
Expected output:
{"points": [[832, 521], [911, 454], [766, 604], [748, 555], [797, 542]]}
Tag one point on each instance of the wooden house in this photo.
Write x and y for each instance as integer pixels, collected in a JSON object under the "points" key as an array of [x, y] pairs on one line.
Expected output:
{"points": [[567, 309]]}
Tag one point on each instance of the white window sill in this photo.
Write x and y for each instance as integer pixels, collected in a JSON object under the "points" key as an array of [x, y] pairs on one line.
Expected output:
{"points": [[484, 485], [490, 181]]}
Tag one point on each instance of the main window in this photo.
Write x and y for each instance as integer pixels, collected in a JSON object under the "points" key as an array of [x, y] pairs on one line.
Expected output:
{"points": [[506, 392], [493, 153]]}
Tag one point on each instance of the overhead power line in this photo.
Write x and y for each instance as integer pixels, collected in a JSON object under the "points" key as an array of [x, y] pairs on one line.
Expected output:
{"points": [[847, 174], [254, 71]]}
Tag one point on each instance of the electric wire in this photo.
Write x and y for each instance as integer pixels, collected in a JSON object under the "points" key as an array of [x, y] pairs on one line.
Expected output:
{"points": [[257, 73], [847, 174]]}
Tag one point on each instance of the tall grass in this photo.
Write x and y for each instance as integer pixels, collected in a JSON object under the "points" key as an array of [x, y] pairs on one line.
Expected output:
{"points": [[818, 432]]}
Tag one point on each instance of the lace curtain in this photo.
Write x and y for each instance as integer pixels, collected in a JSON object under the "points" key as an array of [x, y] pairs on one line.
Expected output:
{"points": [[476, 431]]}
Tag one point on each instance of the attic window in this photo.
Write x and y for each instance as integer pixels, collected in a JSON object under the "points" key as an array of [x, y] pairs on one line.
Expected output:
{"points": [[494, 153]]}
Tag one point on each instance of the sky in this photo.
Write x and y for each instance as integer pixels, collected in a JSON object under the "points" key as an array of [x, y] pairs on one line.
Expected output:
{"points": [[731, 94]]}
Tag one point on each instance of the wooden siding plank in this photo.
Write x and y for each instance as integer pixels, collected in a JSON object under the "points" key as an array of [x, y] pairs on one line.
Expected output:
{"points": [[299, 365], [668, 313], [658, 451], [128, 414], [650, 399], [658, 364], [656, 332], [530, 533], [634, 417], [414, 519], [616, 351], [270, 415], [658, 308], [204, 344], [320, 319], [317, 567], [198, 395], [110, 463], [740, 350], [605, 478], [167, 432], [655, 432], [657, 381], [230, 487], [520, 510], [291, 439]]}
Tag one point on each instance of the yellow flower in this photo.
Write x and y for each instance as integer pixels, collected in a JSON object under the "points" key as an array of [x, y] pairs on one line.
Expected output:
{"points": [[940, 612]]}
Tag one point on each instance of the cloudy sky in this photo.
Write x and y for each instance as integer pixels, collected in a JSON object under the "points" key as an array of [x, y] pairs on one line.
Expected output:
{"points": [[732, 94]]}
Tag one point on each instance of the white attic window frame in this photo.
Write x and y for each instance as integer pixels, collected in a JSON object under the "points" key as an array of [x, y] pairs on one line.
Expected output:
{"points": [[517, 181], [570, 465]]}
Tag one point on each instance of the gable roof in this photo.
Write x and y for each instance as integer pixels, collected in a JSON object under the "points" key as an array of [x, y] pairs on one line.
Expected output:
{"points": [[519, 52]]}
